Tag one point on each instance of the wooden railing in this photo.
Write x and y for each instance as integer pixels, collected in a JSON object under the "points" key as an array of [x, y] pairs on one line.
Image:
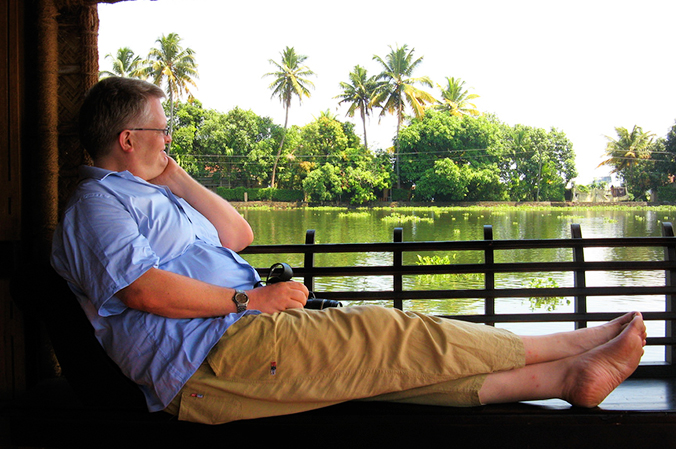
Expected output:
{"points": [[579, 292]]}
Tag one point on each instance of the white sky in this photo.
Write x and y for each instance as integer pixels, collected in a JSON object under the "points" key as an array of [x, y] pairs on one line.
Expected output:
{"points": [[581, 66]]}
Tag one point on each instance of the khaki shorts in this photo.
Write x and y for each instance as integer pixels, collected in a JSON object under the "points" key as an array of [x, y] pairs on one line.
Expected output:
{"points": [[298, 360]]}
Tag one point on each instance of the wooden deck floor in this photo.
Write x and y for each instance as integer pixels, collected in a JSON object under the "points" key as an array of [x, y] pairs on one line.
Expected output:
{"points": [[640, 395], [640, 413]]}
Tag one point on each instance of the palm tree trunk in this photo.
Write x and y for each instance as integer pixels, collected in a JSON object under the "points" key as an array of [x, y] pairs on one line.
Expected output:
{"points": [[363, 121], [396, 147], [171, 117], [279, 152]]}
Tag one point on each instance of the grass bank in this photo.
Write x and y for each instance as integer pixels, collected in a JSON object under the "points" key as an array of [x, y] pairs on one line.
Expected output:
{"points": [[628, 206]]}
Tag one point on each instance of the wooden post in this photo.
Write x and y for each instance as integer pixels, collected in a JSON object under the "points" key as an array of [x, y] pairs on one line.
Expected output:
{"points": [[309, 260], [670, 306], [397, 262], [489, 277], [579, 277]]}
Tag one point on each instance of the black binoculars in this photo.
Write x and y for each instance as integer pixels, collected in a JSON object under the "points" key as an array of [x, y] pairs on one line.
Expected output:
{"points": [[282, 272]]}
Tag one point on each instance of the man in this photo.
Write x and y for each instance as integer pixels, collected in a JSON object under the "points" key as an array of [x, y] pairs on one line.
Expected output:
{"points": [[151, 256]]}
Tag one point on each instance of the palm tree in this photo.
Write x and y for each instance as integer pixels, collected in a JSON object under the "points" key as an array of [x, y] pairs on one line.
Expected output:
{"points": [[176, 66], [359, 94], [125, 64], [398, 89], [626, 154], [628, 149], [289, 81], [455, 99]]}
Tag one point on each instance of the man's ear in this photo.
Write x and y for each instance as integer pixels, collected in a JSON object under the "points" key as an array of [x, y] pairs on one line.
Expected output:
{"points": [[125, 140]]}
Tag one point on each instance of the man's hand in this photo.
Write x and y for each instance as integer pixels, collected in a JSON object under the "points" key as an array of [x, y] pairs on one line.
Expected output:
{"points": [[233, 230], [278, 297], [173, 177]]}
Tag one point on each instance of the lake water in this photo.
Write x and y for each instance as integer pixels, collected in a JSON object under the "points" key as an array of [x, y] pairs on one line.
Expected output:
{"points": [[334, 225]]}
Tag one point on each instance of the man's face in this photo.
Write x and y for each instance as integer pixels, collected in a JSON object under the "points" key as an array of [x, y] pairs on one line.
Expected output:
{"points": [[150, 159]]}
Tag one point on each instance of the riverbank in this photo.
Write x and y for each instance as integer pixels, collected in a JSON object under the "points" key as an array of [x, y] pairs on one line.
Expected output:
{"points": [[457, 205]]}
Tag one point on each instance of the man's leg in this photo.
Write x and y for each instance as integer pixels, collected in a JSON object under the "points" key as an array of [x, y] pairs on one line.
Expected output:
{"points": [[583, 380], [362, 353], [581, 366], [299, 360], [545, 348]]}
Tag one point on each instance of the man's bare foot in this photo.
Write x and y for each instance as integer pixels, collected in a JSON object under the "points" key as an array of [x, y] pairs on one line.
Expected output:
{"points": [[594, 374], [561, 345], [603, 333]]}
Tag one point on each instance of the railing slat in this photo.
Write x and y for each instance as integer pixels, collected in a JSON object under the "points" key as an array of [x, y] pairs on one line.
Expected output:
{"points": [[309, 259], [397, 263], [670, 281], [489, 277], [579, 276]]}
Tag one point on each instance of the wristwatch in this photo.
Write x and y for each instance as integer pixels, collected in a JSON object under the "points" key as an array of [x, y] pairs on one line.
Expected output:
{"points": [[241, 300]]}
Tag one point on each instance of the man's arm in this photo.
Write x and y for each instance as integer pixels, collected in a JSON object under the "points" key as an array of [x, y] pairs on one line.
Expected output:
{"points": [[234, 231], [175, 296]]}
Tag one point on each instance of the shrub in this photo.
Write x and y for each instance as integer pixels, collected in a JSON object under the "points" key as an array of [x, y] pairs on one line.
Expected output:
{"points": [[264, 194]]}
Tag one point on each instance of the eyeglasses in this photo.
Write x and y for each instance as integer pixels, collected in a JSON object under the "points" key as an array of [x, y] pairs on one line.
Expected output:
{"points": [[166, 131]]}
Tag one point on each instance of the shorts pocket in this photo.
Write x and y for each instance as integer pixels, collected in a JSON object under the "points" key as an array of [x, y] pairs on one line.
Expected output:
{"points": [[247, 351]]}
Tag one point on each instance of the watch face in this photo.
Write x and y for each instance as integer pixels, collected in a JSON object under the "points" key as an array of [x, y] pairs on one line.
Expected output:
{"points": [[241, 297]]}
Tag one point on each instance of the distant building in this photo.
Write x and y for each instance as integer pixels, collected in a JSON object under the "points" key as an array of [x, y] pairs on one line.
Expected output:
{"points": [[605, 190]]}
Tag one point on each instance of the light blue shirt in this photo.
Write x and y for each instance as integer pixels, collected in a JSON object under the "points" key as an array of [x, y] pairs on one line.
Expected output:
{"points": [[115, 228]]}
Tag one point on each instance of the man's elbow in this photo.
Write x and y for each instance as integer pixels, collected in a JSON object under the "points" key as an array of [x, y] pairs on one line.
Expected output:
{"points": [[137, 297], [134, 298], [237, 243], [148, 304]]}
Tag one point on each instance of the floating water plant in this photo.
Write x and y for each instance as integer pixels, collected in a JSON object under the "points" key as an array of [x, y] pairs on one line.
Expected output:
{"points": [[400, 218], [354, 214]]}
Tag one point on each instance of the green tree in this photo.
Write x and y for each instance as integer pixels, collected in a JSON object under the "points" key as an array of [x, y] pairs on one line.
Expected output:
{"points": [[494, 159], [359, 94], [187, 121], [296, 166], [399, 89], [238, 147], [233, 149], [169, 63], [628, 156], [536, 164], [666, 156], [324, 183], [324, 139], [289, 81], [670, 152], [455, 99], [446, 179], [125, 64], [251, 141], [628, 149], [473, 141], [365, 174], [327, 141], [484, 184]]}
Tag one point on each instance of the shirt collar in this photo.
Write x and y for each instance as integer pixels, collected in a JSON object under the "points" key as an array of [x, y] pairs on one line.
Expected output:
{"points": [[98, 173]]}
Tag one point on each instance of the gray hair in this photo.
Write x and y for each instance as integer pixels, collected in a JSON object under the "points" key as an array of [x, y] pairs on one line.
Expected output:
{"points": [[109, 107]]}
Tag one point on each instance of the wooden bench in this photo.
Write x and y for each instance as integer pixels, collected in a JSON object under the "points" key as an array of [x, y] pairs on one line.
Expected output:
{"points": [[94, 406]]}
